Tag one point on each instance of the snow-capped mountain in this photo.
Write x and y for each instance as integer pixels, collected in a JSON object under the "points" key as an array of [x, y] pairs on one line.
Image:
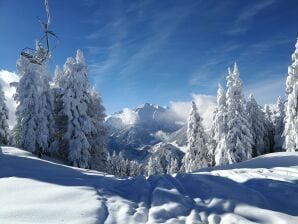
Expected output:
{"points": [[131, 129], [179, 138]]}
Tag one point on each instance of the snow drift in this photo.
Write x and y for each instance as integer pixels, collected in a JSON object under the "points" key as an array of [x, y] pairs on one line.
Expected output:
{"points": [[261, 190]]}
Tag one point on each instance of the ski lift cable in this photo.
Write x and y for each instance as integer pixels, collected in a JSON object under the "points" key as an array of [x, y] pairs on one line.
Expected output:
{"points": [[46, 2]]}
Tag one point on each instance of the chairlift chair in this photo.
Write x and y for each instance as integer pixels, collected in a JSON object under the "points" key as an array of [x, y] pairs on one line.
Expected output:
{"points": [[38, 57]]}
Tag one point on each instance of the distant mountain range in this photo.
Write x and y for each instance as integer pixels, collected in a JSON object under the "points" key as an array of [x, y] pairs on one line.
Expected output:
{"points": [[136, 131]]}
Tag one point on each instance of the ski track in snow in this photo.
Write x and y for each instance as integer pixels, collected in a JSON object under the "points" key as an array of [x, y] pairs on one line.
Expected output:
{"points": [[262, 190]]}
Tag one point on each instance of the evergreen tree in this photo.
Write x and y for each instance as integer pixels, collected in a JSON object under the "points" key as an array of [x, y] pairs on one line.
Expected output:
{"points": [[279, 125], [75, 99], [196, 156], [46, 127], [257, 120], [112, 163], [269, 124], [173, 167], [58, 75], [4, 130], [119, 166], [154, 167], [97, 136], [60, 119], [219, 128], [239, 138], [291, 107], [33, 128], [135, 168]]}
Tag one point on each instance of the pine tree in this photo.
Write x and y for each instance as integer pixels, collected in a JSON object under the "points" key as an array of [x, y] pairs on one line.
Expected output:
{"points": [[219, 128], [239, 138], [154, 167], [279, 125], [196, 156], [112, 163], [60, 119], [135, 168], [291, 107], [257, 120], [46, 127], [75, 99], [173, 167], [269, 124], [58, 75], [97, 136], [33, 128], [4, 130]]}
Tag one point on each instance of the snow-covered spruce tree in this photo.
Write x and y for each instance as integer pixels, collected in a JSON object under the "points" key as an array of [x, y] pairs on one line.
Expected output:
{"points": [[196, 156], [219, 128], [135, 168], [112, 164], [154, 167], [119, 166], [33, 129], [96, 138], [78, 124], [173, 167], [46, 123], [257, 119], [60, 119], [279, 126], [4, 130], [58, 75], [239, 139], [270, 124], [291, 107]]}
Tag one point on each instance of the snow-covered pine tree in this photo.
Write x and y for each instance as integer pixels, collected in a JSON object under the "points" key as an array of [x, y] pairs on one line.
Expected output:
{"points": [[58, 75], [279, 125], [112, 164], [135, 168], [173, 167], [196, 156], [33, 128], [96, 138], [291, 107], [219, 128], [239, 139], [154, 167], [269, 124], [4, 130], [58, 147], [257, 119], [46, 123], [122, 165], [75, 99]]}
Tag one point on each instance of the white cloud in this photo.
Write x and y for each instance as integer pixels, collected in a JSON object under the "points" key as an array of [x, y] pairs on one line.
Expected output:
{"points": [[128, 116], [6, 78], [206, 105]]}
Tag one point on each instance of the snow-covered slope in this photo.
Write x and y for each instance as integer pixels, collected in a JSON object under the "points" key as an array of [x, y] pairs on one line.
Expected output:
{"points": [[263, 190]]}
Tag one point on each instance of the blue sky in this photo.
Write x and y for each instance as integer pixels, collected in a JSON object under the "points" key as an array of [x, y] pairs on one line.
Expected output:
{"points": [[159, 51]]}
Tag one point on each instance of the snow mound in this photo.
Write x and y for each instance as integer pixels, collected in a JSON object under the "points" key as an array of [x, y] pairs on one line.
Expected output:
{"points": [[262, 190]]}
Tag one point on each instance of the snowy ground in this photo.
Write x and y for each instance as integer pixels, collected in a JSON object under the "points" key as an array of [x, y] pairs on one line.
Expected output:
{"points": [[262, 190]]}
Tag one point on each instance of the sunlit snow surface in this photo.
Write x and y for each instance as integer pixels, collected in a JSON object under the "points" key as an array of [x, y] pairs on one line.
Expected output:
{"points": [[262, 190]]}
